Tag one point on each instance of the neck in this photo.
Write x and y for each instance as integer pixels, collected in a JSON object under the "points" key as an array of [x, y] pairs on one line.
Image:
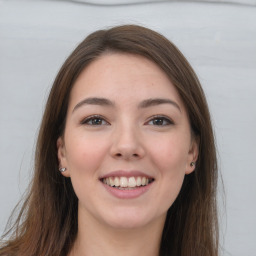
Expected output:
{"points": [[97, 239]]}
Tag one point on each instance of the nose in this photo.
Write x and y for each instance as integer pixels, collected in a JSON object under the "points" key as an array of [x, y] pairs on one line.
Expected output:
{"points": [[127, 144]]}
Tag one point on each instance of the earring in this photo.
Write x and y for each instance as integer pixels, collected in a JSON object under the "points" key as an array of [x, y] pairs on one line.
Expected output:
{"points": [[63, 169], [192, 164]]}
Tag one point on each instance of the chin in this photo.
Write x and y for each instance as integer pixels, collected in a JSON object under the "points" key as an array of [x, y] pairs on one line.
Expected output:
{"points": [[129, 219], [127, 224]]}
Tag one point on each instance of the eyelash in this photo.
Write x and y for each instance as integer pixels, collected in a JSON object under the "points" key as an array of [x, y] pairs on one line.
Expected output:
{"points": [[94, 117], [165, 121]]}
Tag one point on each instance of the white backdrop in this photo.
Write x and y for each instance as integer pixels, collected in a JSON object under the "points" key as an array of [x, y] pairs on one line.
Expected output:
{"points": [[218, 39]]}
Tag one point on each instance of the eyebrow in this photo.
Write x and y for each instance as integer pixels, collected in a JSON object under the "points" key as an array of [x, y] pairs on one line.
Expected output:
{"points": [[94, 101], [144, 104], [158, 101]]}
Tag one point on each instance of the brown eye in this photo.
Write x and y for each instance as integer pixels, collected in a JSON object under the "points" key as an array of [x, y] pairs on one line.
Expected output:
{"points": [[160, 121], [94, 121]]}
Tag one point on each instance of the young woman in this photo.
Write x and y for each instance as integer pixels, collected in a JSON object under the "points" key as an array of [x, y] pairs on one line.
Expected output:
{"points": [[125, 162]]}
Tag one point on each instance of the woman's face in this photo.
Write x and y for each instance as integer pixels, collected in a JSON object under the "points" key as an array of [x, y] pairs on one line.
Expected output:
{"points": [[127, 143]]}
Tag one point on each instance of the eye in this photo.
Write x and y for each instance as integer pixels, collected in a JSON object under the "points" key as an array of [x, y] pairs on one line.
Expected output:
{"points": [[95, 120], [160, 121]]}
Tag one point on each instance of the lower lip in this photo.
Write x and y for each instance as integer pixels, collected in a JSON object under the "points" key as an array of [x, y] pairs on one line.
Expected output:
{"points": [[127, 194]]}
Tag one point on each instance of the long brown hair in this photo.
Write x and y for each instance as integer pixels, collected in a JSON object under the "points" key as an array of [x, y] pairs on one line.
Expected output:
{"points": [[47, 222]]}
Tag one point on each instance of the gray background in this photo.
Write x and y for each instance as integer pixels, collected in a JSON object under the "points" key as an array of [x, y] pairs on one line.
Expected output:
{"points": [[219, 40]]}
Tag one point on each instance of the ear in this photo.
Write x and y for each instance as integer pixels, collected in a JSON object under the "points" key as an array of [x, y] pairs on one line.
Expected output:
{"points": [[192, 155], [62, 156]]}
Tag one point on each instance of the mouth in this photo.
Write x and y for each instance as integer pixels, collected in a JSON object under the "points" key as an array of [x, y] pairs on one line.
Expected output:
{"points": [[127, 183]]}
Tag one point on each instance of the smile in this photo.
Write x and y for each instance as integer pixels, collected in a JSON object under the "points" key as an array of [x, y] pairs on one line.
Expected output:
{"points": [[127, 183]]}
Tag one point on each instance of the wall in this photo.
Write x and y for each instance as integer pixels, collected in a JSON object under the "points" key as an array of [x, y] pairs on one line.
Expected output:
{"points": [[218, 39]]}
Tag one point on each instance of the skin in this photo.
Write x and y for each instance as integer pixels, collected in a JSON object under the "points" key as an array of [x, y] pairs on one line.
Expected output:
{"points": [[127, 136]]}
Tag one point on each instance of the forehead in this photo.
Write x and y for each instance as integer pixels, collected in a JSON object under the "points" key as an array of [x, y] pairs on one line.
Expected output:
{"points": [[122, 77]]}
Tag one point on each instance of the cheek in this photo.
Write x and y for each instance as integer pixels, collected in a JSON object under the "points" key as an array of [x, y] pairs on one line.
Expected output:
{"points": [[84, 157], [84, 154], [170, 155], [169, 158]]}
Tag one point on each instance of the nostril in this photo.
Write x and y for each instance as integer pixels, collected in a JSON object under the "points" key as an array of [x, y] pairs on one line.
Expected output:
{"points": [[123, 155]]}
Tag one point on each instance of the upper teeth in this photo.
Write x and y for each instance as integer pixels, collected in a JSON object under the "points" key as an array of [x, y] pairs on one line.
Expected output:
{"points": [[124, 182]]}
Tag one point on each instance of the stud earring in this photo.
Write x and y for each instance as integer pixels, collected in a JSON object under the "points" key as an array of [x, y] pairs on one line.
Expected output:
{"points": [[192, 164], [63, 169]]}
